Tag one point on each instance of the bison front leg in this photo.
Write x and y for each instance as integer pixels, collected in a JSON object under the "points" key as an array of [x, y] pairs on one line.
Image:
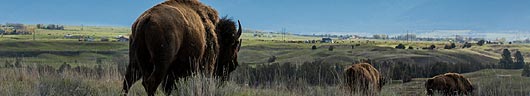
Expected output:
{"points": [[169, 83]]}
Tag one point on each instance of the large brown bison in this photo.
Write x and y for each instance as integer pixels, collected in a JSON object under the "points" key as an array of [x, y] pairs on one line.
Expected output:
{"points": [[364, 78], [449, 84], [178, 38]]}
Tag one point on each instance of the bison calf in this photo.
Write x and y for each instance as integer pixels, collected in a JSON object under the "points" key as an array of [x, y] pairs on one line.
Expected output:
{"points": [[364, 78], [449, 84]]}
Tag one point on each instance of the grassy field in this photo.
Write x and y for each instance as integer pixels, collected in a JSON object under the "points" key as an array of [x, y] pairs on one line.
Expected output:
{"points": [[50, 48]]}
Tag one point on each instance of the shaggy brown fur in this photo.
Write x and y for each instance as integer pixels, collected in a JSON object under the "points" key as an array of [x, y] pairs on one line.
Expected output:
{"points": [[449, 84], [364, 78], [175, 39]]}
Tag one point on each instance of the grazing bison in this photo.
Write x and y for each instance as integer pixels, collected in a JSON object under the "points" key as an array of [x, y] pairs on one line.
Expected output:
{"points": [[364, 78], [178, 38], [449, 84]]}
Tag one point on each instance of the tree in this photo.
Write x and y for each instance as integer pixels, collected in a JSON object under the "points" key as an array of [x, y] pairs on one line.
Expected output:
{"points": [[481, 42], [519, 60], [400, 46], [448, 47], [432, 46], [410, 47], [453, 45], [506, 60], [467, 45]]}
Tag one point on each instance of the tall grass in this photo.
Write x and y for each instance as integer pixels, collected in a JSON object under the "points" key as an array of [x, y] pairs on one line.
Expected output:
{"points": [[35, 79]]}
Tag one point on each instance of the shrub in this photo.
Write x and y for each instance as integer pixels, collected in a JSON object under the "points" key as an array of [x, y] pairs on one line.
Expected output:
{"points": [[18, 62], [481, 42], [432, 46], [467, 45], [271, 59], [313, 47], [526, 70], [448, 47], [330, 48], [65, 87], [64, 67], [400, 46], [410, 47], [121, 61], [312, 73], [8, 64]]}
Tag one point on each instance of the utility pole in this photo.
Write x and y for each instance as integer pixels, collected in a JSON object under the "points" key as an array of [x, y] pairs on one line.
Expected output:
{"points": [[283, 32], [34, 32]]}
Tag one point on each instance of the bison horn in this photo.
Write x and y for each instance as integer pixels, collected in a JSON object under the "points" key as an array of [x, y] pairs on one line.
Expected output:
{"points": [[239, 46], [239, 31]]}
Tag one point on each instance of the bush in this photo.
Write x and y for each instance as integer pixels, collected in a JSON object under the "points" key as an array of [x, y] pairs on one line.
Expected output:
{"points": [[448, 47], [330, 48], [526, 70], [272, 59], [65, 87], [397, 70], [410, 47], [312, 73], [481, 42], [400, 46], [313, 47], [64, 67], [432, 46], [467, 45], [121, 61]]}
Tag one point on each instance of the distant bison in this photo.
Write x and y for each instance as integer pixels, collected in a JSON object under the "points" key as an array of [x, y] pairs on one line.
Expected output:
{"points": [[178, 38], [449, 84], [364, 78]]}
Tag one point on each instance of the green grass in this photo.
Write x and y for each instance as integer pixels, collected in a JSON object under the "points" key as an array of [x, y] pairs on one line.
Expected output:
{"points": [[50, 48]]}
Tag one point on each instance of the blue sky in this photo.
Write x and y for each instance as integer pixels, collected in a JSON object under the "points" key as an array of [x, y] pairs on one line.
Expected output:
{"points": [[298, 16]]}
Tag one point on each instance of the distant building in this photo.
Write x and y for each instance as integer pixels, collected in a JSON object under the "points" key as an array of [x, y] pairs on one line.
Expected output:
{"points": [[344, 38], [104, 39], [88, 39], [327, 40], [68, 36], [122, 38]]}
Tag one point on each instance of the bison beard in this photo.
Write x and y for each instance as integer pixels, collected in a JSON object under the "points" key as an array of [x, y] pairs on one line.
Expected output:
{"points": [[449, 84], [178, 38], [363, 78]]}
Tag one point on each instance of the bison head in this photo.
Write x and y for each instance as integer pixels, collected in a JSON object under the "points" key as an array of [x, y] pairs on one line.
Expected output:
{"points": [[229, 44]]}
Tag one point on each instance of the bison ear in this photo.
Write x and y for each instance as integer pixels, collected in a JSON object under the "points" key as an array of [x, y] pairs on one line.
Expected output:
{"points": [[240, 30]]}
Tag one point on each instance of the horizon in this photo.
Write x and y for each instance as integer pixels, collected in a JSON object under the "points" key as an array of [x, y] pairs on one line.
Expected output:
{"points": [[359, 16]]}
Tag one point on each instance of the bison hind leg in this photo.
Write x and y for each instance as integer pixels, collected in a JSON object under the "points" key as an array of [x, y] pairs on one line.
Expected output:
{"points": [[132, 75]]}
